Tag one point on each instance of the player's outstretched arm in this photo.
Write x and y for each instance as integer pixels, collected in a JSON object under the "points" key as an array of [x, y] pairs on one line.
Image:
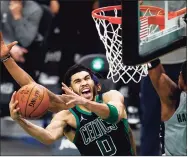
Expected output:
{"points": [[57, 103], [47, 136], [23, 78], [167, 89], [19, 75], [112, 110]]}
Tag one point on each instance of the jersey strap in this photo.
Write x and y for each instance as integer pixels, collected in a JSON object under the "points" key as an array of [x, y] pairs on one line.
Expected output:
{"points": [[77, 123], [99, 98]]}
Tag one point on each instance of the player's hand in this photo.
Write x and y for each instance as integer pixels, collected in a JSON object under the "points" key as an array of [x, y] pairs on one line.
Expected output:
{"points": [[72, 98], [67, 89], [5, 49], [14, 110], [54, 6], [17, 53], [16, 8]]}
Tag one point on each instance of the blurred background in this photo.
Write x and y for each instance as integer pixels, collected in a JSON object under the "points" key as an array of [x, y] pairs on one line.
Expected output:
{"points": [[53, 35]]}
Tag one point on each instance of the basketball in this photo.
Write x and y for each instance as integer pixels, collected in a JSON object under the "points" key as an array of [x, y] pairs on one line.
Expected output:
{"points": [[33, 101]]}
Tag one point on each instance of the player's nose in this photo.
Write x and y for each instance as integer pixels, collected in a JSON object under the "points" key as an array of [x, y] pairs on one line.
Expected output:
{"points": [[83, 82]]}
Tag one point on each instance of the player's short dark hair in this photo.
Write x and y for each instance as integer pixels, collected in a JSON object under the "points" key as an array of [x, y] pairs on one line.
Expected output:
{"points": [[78, 68], [184, 72]]}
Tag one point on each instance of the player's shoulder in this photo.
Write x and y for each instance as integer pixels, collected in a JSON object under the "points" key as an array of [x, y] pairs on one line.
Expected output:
{"points": [[112, 92]]}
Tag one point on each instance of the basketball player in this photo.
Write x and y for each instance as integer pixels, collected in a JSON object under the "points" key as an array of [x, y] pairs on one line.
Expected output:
{"points": [[97, 123], [173, 107]]}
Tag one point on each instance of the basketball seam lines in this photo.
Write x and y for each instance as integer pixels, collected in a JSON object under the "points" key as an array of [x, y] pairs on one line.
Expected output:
{"points": [[38, 104], [28, 99], [41, 114]]}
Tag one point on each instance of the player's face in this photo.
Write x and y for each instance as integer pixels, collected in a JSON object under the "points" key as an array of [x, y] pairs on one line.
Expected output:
{"points": [[83, 85]]}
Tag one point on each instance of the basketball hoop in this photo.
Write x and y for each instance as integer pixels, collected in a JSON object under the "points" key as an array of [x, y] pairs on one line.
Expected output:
{"points": [[109, 29]]}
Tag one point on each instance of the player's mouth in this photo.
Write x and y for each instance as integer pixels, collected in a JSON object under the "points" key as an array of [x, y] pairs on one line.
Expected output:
{"points": [[86, 93]]}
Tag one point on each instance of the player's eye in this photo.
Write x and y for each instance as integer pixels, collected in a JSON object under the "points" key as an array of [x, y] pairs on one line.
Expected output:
{"points": [[77, 81], [87, 78]]}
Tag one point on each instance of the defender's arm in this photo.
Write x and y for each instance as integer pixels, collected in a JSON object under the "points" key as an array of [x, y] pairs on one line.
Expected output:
{"points": [[167, 90]]}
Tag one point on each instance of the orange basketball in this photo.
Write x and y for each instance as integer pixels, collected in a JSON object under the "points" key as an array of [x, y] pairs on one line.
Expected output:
{"points": [[33, 101]]}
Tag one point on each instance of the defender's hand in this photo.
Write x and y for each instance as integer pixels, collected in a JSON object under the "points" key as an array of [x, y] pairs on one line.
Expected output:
{"points": [[72, 98], [5, 49], [14, 111], [67, 89]]}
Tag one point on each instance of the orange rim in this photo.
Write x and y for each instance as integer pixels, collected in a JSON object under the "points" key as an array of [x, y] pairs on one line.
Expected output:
{"points": [[157, 19]]}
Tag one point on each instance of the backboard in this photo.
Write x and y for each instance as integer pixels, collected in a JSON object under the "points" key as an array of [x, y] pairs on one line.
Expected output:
{"points": [[165, 31]]}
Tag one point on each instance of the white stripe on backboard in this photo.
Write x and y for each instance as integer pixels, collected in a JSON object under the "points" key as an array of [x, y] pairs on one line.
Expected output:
{"points": [[144, 27]]}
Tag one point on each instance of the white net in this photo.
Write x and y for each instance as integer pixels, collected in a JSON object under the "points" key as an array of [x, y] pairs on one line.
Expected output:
{"points": [[110, 34]]}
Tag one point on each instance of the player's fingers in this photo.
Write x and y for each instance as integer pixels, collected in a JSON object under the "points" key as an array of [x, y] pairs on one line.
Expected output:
{"points": [[22, 59], [68, 96], [70, 102], [67, 91], [64, 90], [13, 97], [16, 110], [13, 106], [1, 38], [11, 44], [65, 97], [64, 85], [24, 50]]}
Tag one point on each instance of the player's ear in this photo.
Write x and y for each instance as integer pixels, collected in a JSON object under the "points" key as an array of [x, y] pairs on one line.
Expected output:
{"points": [[98, 87]]}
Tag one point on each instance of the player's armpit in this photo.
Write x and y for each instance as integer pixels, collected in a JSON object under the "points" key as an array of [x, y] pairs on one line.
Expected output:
{"points": [[167, 90], [166, 112]]}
